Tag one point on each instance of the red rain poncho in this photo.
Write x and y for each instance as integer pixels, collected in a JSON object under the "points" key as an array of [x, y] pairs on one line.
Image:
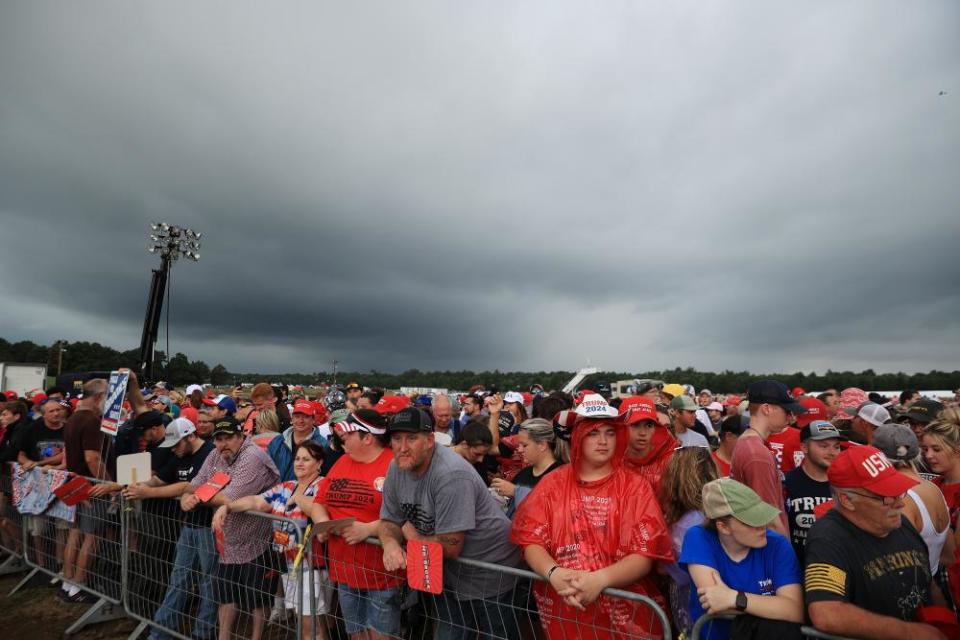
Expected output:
{"points": [[587, 526], [653, 465]]}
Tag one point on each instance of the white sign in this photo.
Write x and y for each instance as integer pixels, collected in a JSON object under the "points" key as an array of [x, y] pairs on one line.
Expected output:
{"points": [[133, 468]]}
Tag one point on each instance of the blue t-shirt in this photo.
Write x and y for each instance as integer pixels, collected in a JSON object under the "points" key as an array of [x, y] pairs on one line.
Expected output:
{"points": [[763, 571]]}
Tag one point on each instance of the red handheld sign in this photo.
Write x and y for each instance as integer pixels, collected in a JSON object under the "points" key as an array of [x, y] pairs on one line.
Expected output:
{"points": [[74, 491], [425, 566], [219, 540], [212, 487]]}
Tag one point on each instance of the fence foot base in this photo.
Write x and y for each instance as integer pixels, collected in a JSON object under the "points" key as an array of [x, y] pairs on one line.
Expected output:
{"points": [[24, 582], [101, 611], [143, 626], [13, 564]]}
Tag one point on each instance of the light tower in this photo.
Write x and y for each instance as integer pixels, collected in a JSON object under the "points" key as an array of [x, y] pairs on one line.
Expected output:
{"points": [[172, 243]]}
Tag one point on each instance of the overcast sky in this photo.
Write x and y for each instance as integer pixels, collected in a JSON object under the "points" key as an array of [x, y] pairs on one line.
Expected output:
{"points": [[472, 185]]}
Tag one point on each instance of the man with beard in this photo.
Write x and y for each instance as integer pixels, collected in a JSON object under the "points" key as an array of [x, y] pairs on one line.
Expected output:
{"points": [[432, 494], [89, 452], [195, 546], [650, 445], [241, 579], [807, 485]]}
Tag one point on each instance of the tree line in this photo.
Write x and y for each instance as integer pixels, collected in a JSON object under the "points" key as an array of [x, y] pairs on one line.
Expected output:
{"points": [[180, 370]]}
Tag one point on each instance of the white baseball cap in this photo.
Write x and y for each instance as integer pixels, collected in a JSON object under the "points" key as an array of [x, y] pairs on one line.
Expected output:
{"points": [[874, 414], [513, 396], [177, 430]]}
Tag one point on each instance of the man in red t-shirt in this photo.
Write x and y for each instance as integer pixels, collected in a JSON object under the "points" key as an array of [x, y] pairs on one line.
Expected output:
{"points": [[770, 406], [369, 597]]}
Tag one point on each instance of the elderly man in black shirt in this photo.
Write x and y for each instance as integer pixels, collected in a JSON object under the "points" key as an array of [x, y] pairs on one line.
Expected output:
{"points": [[867, 572]]}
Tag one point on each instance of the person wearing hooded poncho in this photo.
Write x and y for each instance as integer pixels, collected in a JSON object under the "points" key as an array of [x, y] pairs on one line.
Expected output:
{"points": [[650, 444], [590, 525]]}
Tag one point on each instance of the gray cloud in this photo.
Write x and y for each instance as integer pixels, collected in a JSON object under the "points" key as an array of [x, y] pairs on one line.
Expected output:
{"points": [[522, 187]]}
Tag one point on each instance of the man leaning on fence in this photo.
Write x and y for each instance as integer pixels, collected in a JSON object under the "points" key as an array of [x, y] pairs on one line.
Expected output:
{"points": [[867, 572], [244, 578], [88, 452], [432, 494], [195, 550]]}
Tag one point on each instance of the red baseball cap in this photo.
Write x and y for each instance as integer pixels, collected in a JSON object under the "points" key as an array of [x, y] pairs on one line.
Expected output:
{"points": [[731, 401], [815, 410], [866, 467], [798, 391], [305, 407], [11, 395], [39, 398], [190, 414], [320, 411], [636, 409], [210, 402], [389, 405]]}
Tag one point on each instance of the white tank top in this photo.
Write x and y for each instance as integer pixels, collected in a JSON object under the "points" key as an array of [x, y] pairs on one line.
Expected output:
{"points": [[934, 540]]}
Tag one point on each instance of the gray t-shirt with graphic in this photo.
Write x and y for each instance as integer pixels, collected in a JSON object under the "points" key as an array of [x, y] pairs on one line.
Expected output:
{"points": [[451, 497]]}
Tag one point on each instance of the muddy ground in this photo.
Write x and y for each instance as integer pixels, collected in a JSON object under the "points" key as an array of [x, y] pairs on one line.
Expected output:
{"points": [[35, 613]]}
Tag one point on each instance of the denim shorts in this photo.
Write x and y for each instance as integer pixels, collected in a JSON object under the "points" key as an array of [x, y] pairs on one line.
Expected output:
{"points": [[370, 609]]}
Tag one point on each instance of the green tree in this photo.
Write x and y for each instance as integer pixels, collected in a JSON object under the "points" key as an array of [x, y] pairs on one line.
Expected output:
{"points": [[219, 375]]}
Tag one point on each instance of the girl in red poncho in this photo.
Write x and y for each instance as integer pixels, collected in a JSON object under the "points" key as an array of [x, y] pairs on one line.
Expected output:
{"points": [[591, 525]]}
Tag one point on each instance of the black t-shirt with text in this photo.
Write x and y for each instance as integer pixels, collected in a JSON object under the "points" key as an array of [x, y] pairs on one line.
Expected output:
{"points": [[183, 470], [803, 494], [888, 576]]}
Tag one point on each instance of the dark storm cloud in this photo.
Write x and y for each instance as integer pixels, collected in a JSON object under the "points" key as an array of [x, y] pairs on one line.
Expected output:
{"points": [[460, 186]]}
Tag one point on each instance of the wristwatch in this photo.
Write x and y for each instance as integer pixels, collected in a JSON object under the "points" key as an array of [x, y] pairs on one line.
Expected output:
{"points": [[741, 601]]}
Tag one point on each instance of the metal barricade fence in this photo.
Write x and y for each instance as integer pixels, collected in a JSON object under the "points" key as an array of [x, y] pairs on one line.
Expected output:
{"points": [[479, 600], [703, 622], [143, 559], [175, 580], [80, 547], [11, 532]]}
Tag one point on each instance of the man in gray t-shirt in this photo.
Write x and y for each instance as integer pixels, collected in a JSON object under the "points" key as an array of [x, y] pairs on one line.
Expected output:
{"points": [[431, 493]]}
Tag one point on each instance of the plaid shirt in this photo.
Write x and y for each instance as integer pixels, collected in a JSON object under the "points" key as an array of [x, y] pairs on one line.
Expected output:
{"points": [[252, 472]]}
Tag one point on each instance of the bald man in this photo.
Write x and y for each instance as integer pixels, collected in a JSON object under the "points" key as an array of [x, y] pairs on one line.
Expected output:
{"points": [[443, 421]]}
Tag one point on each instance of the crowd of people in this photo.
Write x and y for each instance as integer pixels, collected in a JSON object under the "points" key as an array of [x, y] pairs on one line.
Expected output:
{"points": [[837, 510]]}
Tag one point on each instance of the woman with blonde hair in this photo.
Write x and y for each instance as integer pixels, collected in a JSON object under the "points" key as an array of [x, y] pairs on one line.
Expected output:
{"points": [[266, 427], [542, 450], [940, 447], [681, 497]]}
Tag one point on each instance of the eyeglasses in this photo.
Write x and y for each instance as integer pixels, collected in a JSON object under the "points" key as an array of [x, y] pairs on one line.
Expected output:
{"points": [[887, 501]]}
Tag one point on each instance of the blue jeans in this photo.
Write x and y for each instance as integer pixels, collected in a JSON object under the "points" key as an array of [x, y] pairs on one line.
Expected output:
{"points": [[194, 547], [370, 609], [462, 619]]}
